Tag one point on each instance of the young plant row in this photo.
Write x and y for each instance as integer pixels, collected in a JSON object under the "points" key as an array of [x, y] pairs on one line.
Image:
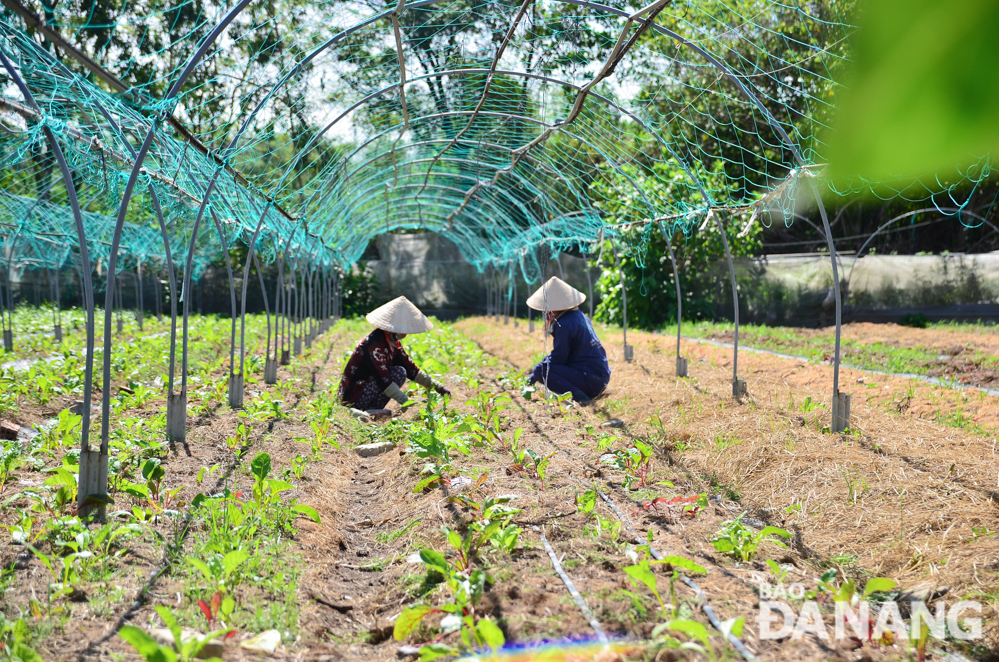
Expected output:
{"points": [[235, 571]]}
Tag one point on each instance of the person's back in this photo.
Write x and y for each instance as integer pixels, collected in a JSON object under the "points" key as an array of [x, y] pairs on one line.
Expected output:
{"points": [[576, 344], [577, 363]]}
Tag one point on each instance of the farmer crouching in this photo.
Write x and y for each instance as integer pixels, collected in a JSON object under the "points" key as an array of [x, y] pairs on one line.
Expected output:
{"points": [[577, 363], [379, 365]]}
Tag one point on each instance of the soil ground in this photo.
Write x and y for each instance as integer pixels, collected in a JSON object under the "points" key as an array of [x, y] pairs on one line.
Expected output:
{"points": [[902, 496], [964, 354]]}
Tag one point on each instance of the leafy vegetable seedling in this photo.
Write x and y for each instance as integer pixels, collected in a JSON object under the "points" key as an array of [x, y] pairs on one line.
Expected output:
{"points": [[738, 540]]}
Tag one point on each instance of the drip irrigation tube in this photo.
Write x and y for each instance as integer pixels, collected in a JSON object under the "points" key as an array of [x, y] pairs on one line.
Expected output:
{"points": [[705, 607], [594, 623]]}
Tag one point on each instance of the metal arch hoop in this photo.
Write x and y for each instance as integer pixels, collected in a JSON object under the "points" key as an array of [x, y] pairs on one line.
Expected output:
{"points": [[361, 199], [140, 158], [438, 74], [92, 468]]}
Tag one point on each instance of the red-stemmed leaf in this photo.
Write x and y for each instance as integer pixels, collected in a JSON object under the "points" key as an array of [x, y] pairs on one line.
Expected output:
{"points": [[216, 603], [206, 610]]}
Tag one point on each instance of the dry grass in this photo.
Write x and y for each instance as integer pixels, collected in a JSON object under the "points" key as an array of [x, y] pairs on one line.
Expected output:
{"points": [[923, 503]]}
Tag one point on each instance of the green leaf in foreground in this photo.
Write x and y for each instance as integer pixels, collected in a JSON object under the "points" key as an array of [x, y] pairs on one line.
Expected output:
{"points": [[878, 584], [146, 645], [924, 91], [408, 620], [684, 564], [491, 634], [25, 654], [308, 511]]}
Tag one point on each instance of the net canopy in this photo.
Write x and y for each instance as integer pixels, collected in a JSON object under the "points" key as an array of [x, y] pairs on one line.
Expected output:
{"points": [[306, 129]]}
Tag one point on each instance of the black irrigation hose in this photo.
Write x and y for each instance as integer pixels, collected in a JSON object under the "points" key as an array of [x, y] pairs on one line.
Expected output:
{"points": [[594, 623], [140, 597], [705, 607]]}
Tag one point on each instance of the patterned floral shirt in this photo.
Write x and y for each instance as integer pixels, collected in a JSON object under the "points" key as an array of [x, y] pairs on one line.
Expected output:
{"points": [[371, 360]]}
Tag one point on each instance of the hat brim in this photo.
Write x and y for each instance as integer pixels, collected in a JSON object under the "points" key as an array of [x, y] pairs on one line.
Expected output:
{"points": [[399, 316], [555, 295]]}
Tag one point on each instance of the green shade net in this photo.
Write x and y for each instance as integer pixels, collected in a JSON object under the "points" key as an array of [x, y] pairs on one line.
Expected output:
{"points": [[501, 126]]}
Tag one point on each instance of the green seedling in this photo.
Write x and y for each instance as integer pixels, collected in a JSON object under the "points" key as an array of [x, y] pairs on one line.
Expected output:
{"points": [[437, 440], [21, 530], [187, 648], [466, 586], [266, 490], [635, 462], [242, 436], [778, 572], [61, 433], [220, 607], [490, 510], [538, 464], [221, 570], [641, 573], [298, 464], [697, 636], [265, 407], [847, 591], [11, 460], [738, 540], [586, 501], [14, 636], [63, 571]]}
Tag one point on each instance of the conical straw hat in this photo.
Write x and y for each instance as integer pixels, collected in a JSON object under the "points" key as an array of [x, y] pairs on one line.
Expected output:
{"points": [[556, 294], [399, 316]]}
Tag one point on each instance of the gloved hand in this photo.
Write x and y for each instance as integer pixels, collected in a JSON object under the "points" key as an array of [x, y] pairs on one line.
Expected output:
{"points": [[394, 392], [425, 380]]}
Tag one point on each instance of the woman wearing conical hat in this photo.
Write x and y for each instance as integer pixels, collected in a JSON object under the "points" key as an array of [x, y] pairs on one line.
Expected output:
{"points": [[379, 365], [577, 363]]}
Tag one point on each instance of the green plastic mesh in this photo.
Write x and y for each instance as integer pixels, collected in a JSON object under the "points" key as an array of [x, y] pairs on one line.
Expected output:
{"points": [[502, 126]]}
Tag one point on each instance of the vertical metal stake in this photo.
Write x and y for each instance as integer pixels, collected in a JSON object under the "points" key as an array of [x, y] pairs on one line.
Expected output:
{"points": [[841, 401], [738, 385], [629, 351]]}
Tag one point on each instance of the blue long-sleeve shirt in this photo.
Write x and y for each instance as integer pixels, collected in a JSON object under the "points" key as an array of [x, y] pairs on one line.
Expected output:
{"points": [[575, 344]]}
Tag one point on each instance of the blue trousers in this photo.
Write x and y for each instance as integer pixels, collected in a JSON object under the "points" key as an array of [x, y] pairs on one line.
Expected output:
{"points": [[566, 379], [372, 396]]}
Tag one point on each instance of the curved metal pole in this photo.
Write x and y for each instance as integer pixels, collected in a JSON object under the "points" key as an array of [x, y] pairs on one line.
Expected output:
{"points": [[172, 404], [172, 283], [496, 208], [139, 292], [840, 418], [361, 196], [528, 120], [89, 466], [267, 307], [186, 287], [140, 158], [3, 313], [681, 364], [295, 309], [235, 390], [250, 255], [624, 303], [738, 385], [906, 215], [282, 297]]}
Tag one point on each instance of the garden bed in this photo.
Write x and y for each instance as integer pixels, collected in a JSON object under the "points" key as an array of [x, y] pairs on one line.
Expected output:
{"points": [[391, 541]]}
